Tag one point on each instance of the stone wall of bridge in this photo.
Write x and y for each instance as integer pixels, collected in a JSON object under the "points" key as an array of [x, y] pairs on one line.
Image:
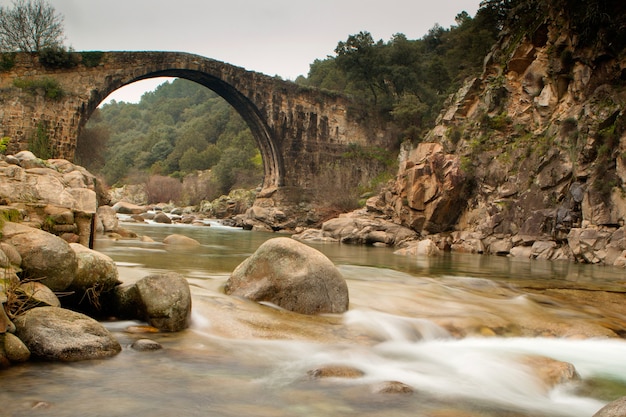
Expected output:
{"points": [[305, 135]]}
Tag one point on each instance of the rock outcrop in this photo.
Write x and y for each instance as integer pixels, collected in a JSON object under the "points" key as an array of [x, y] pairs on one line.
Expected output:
{"points": [[541, 135], [430, 192], [290, 275], [54, 195], [529, 159]]}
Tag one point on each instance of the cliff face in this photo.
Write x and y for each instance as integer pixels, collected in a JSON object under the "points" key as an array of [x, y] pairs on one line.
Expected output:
{"points": [[541, 140]]}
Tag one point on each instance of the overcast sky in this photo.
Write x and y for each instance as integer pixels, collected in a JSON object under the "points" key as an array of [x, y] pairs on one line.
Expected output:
{"points": [[275, 37]]}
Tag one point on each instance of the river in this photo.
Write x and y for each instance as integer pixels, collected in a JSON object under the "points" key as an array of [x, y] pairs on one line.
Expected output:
{"points": [[457, 329]]}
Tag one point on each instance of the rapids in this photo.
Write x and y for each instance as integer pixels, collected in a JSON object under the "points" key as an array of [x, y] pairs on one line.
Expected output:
{"points": [[459, 330]]}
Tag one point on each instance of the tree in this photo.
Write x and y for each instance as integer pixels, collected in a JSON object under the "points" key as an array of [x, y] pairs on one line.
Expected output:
{"points": [[30, 26], [359, 57]]}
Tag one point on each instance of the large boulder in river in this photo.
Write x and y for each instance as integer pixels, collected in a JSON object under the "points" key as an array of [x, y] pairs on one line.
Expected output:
{"points": [[291, 275], [162, 300], [58, 334], [45, 257]]}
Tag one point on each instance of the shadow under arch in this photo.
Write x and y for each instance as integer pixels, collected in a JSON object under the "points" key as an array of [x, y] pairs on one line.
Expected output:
{"points": [[272, 161]]}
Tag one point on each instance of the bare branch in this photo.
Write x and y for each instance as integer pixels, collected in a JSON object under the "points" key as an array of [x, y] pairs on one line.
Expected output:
{"points": [[30, 26]]}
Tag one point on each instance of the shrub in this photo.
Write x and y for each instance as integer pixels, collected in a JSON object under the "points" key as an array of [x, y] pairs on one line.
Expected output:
{"points": [[57, 57], [7, 61], [161, 189], [91, 59], [49, 86], [3, 144], [39, 143]]}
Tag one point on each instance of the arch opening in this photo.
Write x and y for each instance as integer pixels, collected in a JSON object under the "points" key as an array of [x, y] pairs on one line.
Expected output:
{"points": [[273, 170], [269, 157]]}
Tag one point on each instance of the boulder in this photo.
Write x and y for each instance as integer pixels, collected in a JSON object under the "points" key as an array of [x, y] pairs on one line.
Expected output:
{"points": [[543, 249], [96, 274], [14, 349], [424, 247], [6, 325], [359, 228], [162, 300], [38, 294], [588, 245], [123, 207], [166, 301], [291, 275], [12, 254], [107, 216], [616, 408], [58, 334], [161, 217], [44, 256], [180, 240], [500, 246]]}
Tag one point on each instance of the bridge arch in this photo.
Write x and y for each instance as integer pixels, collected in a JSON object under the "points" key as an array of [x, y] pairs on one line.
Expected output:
{"points": [[313, 144], [272, 161]]}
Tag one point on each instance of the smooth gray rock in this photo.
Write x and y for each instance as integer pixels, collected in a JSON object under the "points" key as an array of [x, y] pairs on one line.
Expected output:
{"points": [[291, 275]]}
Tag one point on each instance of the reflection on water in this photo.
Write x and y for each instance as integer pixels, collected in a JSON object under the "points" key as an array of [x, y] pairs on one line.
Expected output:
{"points": [[240, 358]]}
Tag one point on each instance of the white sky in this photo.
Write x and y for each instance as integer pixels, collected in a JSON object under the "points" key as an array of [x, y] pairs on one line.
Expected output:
{"points": [[275, 37]]}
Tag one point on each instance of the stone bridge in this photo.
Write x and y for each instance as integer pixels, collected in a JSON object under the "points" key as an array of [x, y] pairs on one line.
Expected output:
{"points": [[310, 140]]}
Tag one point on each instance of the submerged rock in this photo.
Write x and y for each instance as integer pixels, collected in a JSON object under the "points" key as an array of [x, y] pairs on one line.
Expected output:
{"points": [[392, 387], [180, 240], [336, 371], [291, 275], [146, 345]]}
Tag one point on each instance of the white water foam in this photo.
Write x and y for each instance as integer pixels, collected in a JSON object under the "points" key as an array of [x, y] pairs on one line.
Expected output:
{"points": [[422, 355]]}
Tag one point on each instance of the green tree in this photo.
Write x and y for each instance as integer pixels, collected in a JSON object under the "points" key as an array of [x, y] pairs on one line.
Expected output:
{"points": [[359, 57], [30, 26]]}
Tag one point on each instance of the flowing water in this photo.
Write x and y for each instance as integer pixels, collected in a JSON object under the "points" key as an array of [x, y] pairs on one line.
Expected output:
{"points": [[462, 331]]}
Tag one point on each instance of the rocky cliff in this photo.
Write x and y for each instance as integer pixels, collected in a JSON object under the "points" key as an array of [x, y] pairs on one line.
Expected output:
{"points": [[528, 159]]}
